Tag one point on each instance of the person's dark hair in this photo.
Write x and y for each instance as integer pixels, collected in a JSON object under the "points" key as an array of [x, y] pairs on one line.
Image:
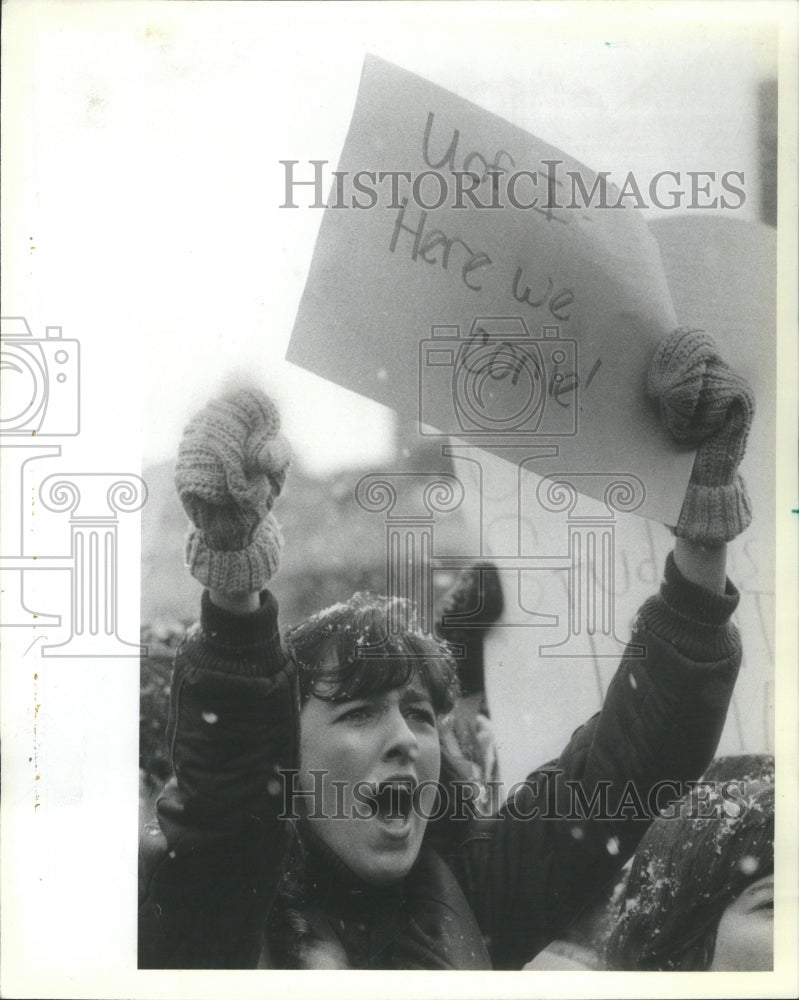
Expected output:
{"points": [[369, 645], [745, 767], [686, 872]]}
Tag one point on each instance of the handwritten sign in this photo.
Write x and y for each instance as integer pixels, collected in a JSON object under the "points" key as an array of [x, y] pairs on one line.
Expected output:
{"points": [[723, 276], [488, 285]]}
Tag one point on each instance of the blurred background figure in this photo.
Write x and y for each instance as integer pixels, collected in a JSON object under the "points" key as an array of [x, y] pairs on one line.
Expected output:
{"points": [[586, 943], [468, 611], [700, 894]]}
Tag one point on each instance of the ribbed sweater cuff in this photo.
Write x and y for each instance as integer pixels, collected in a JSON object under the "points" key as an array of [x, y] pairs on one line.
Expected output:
{"points": [[240, 644], [692, 618]]}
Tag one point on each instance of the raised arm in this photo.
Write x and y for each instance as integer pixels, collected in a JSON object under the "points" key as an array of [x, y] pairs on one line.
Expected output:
{"points": [[529, 871], [210, 864]]}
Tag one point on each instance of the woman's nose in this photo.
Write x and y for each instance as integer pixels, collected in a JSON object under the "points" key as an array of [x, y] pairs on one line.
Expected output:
{"points": [[401, 740]]}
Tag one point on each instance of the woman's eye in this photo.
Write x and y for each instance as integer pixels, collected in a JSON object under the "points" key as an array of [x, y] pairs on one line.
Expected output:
{"points": [[423, 714], [358, 714]]}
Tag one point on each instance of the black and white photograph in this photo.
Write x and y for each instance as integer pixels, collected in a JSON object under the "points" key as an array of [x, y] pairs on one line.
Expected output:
{"points": [[399, 501]]}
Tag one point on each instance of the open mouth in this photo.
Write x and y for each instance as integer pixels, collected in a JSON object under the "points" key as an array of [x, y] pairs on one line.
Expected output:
{"points": [[391, 801]]}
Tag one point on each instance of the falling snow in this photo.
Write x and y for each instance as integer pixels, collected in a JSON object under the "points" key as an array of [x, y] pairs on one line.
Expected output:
{"points": [[748, 864]]}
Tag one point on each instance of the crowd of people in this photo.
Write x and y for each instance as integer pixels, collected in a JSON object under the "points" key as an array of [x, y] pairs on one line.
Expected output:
{"points": [[327, 806]]}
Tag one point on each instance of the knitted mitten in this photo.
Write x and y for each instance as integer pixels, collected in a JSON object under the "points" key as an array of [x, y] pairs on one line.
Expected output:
{"points": [[231, 467], [705, 405]]}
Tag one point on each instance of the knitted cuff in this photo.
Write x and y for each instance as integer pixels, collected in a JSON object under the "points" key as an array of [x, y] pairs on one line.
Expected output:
{"points": [[242, 644], [713, 514], [226, 642], [692, 600], [693, 619], [239, 570]]}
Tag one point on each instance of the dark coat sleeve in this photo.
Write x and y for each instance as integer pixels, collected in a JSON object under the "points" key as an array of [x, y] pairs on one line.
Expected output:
{"points": [[529, 870], [210, 864]]}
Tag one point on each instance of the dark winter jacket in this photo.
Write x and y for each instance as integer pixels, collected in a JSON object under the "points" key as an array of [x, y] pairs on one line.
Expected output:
{"points": [[492, 895]]}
